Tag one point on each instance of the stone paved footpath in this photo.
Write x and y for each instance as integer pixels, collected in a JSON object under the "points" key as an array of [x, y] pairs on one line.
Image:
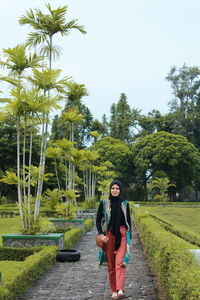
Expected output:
{"points": [[84, 279]]}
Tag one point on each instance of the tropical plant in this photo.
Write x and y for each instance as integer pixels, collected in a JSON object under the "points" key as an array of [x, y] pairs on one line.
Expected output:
{"points": [[51, 198], [21, 108], [45, 26], [160, 187]]}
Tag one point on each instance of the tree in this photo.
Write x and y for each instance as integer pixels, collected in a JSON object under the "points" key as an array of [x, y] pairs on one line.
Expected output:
{"points": [[161, 185], [167, 152], [185, 107], [46, 81], [56, 133], [154, 121], [101, 127], [118, 153], [75, 93], [88, 157], [123, 120], [19, 110], [71, 117], [74, 97], [112, 124], [46, 26], [105, 125], [17, 60]]}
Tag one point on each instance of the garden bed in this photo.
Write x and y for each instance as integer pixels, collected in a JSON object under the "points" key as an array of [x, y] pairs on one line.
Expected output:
{"points": [[18, 276], [28, 264]]}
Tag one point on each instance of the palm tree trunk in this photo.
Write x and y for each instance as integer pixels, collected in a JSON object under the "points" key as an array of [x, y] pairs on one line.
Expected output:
{"points": [[40, 170], [87, 185], [56, 172], [24, 176], [84, 184], [18, 174], [90, 184], [29, 178], [93, 185]]}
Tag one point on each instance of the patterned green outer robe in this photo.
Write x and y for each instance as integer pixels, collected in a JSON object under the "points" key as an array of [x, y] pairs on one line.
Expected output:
{"points": [[105, 221]]}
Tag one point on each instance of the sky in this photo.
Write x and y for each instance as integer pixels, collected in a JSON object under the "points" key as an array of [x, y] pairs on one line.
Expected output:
{"points": [[130, 47]]}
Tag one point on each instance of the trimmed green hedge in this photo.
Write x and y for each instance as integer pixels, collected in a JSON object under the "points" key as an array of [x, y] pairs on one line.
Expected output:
{"points": [[72, 237], [155, 203], [5, 294], [32, 268], [89, 224], [176, 268], [17, 254]]}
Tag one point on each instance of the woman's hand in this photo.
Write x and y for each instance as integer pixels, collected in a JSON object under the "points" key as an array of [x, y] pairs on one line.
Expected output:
{"points": [[104, 238]]}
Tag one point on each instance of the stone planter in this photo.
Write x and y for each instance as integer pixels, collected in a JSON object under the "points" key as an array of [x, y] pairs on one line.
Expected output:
{"points": [[87, 214], [90, 211], [20, 240], [64, 224]]}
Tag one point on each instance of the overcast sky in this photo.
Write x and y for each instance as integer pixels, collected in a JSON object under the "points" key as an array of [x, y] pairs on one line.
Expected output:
{"points": [[129, 48]]}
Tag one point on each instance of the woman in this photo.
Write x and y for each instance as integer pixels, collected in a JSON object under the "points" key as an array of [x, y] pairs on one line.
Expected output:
{"points": [[114, 227]]}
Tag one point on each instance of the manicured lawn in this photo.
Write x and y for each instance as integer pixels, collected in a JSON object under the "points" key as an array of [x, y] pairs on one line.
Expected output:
{"points": [[186, 219], [9, 225], [9, 269]]}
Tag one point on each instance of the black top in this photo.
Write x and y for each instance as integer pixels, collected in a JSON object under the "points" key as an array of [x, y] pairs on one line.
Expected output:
{"points": [[122, 219]]}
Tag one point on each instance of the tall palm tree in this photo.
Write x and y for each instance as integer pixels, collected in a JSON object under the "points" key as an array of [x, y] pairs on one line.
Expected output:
{"points": [[46, 25], [17, 62], [75, 93], [46, 80]]}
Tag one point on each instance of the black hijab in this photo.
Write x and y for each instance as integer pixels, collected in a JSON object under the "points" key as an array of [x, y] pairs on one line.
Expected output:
{"points": [[116, 214]]}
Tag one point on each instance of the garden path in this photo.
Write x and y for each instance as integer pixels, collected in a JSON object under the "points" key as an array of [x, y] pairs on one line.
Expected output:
{"points": [[84, 279]]}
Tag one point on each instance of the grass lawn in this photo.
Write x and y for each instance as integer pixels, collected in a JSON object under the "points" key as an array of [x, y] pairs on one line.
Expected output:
{"points": [[9, 225], [186, 219], [9, 269]]}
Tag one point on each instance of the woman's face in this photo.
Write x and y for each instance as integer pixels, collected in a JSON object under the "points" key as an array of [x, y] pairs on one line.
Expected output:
{"points": [[115, 190]]}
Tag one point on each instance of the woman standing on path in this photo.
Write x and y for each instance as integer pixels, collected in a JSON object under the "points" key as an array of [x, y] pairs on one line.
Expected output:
{"points": [[114, 227]]}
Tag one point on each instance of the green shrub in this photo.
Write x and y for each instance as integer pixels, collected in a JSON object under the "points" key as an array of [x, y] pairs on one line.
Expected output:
{"points": [[16, 254], [47, 227], [72, 237], [31, 269], [176, 268], [5, 294], [89, 224]]}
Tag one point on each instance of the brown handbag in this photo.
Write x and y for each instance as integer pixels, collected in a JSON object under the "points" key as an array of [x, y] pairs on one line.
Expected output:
{"points": [[99, 242]]}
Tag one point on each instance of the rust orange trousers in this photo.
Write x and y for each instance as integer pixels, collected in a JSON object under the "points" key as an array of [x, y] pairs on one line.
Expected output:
{"points": [[116, 271]]}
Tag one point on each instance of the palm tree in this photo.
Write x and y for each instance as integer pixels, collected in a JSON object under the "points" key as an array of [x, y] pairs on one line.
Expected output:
{"points": [[17, 61], [66, 148], [73, 118], [75, 93], [46, 80], [46, 25], [161, 185], [89, 173]]}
